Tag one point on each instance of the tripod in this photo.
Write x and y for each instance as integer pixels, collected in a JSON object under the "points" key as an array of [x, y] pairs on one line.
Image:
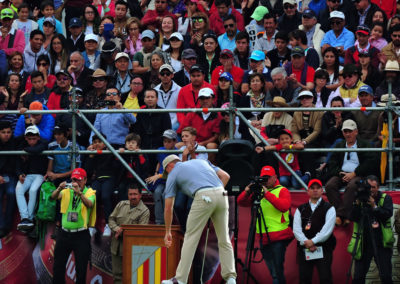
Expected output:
{"points": [[365, 219]]}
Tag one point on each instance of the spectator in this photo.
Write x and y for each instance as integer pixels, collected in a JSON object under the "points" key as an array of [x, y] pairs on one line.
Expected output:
{"points": [[16, 65], [77, 241], [299, 38], [8, 179], [280, 55], [96, 95], [200, 27], [266, 43], [227, 39], [120, 19], [320, 92], [13, 92], [362, 46], [168, 27], [151, 77], [79, 72], [338, 37], [255, 98], [389, 7], [168, 92], [390, 50], [175, 50], [127, 212], [350, 87], [314, 33], [370, 75], [107, 57], [141, 59], [383, 118], [390, 74], [182, 77], [59, 55], [282, 86], [58, 98], [209, 54], [257, 17], [106, 32], [30, 171], [91, 52], [122, 75], [11, 39], [332, 65], [257, 65], [152, 19], [106, 9], [23, 23], [224, 9], [91, 20], [242, 50], [291, 18], [361, 14], [346, 169], [301, 75], [133, 43], [43, 66], [313, 226], [134, 99], [47, 10], [114, 125], [33, 50], [187, 97], [49, 32], [225, 82], [226, 59], [76, 40], [377, 38], [44, 122], [39, 91]]}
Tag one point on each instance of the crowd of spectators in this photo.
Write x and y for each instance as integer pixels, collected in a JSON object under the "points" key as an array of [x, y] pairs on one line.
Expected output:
{"points": [[161, 54]]}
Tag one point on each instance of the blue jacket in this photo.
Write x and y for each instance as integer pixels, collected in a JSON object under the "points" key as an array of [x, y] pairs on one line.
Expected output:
{"points": [[87, 62], [45, 126]]}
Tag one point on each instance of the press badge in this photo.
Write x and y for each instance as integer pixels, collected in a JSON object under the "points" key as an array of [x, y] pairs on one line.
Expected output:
{"points": [[72, 217], [317, 254]]}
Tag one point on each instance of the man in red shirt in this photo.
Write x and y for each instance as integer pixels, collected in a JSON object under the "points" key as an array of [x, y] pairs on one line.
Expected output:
{"points": [[152, 19], [226, 59], [224, 8], [187, 97], [300, 74]]}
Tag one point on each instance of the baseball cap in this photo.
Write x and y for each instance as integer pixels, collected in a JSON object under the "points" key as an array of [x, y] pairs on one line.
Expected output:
{"points": [[50, 20], [349, 124], [60, 129], [196, 67], [267, 171], [311, 182], [297, 50], [226, 52], [308, 13], [75, 22], [205, 93], [121, 55], [166, 67], [259, 13], [336, 14], [91, 37], [257, 55], [63, 72], [168, 160], [148, 33], [32, 130], [227, 76], [7, 13], [176, 35], [363, 29], [189, 53], [365, 89], [170, 134], [78, 91], [36, 106], [78, 173], [285, 131], [305, 94], [108, 47]]}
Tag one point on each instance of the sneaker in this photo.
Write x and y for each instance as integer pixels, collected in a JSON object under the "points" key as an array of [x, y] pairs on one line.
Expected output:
{"points": [[107, 231], [231, 281], [25, 225], [92, 231]]}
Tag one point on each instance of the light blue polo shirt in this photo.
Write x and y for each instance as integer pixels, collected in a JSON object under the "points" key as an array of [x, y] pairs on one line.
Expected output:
{"points": [[225, 43], [345, 39]]}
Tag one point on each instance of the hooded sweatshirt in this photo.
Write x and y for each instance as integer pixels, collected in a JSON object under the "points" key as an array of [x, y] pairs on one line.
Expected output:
{"points": [[30, 58]]}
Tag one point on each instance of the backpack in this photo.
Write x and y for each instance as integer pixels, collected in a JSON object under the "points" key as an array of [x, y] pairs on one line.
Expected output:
{"points": [[47, 206]]}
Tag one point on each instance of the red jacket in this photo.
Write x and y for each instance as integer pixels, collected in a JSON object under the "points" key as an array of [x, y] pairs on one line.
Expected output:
{"points": [[18, 45], [150, 18], [217, 24], [205, 128], [187, 98], [236, 72]]}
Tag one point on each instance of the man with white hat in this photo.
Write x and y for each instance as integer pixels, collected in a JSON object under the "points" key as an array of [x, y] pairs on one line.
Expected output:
{"points": [[210, 201], [291, 18], [91, 52], [338, 37], [122, 74], [346, 169]]}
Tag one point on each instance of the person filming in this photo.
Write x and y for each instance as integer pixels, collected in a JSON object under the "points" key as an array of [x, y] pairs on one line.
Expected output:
{"points": [[372, 232]]}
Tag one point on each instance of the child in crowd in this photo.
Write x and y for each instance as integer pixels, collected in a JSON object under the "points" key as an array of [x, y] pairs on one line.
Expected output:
{"points": [[155, 182], [138, 163], [47, 10], [101, 168], [377, 36], [23, 23], [286, 142], [30, 171], [190, 145]]}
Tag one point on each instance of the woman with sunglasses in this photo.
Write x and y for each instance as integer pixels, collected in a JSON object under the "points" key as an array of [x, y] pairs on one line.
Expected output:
{"points": [[59, 54], [199, 27], [43, 66], [208, 53], [184, 20]]}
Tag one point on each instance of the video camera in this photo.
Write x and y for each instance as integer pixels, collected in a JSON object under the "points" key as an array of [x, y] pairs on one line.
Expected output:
{"points": [[256, 186], [101, 104], [363, 192]]}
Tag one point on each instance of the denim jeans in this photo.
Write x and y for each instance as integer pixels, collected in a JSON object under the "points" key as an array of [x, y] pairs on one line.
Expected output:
{"points": [[158, 196], [32, 183], [7, 189], [274, 257], [286, 181]]}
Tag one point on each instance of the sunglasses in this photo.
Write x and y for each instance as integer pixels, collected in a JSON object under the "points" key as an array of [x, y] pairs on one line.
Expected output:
{"points": [[162, 74], [288, 6], [254, 61], [336, 22], [357, 1], [146, 39], [112, 94], [229, 26], [42, 64], [395, 36], [63, 78], [335, 1], [199, 20], [99, 79], [348, 76]]}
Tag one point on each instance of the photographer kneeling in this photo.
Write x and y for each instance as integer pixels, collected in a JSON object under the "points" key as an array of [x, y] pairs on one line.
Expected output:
{"points": [[372, 232], [275, 232]]}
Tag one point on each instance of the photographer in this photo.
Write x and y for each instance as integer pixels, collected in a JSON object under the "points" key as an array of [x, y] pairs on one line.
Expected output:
{"points": [[372, 232], [275, 205]]}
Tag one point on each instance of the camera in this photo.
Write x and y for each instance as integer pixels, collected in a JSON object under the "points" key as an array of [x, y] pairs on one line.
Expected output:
{"points": [[69, 185], [256, 186], [102, 104], [363, 191]]}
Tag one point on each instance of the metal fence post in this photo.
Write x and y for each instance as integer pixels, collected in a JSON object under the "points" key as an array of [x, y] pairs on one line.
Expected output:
{"points": [[390, 142]]}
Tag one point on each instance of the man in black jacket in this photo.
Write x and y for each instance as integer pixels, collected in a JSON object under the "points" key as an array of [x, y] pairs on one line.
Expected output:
{"points": [[360, 13], [81, 75], [346, 169]]}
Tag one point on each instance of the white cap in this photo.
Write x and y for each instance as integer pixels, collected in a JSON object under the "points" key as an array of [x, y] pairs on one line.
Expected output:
{"points": [[120, 55], [177, 35], [336, 14], [32, 130], [305, 94], [349, 124], [206, 93], [166, 66], [91, 37], [291, 2]]}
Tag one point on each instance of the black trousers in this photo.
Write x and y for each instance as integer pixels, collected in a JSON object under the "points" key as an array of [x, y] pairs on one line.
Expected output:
{"points": [[79, 243], [306, 267]]}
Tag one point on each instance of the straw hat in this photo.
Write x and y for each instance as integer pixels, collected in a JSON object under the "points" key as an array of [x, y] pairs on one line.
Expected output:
{"points": [[392, 65], [385, 99], [99, 73], [277, 102]]}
